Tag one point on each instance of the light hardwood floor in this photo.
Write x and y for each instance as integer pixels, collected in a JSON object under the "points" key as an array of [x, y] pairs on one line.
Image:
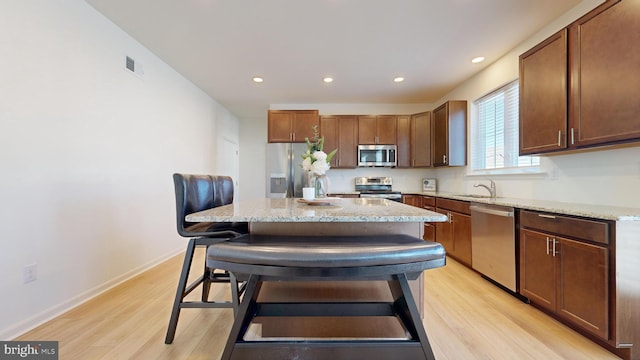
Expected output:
{"points": [[466, 317]]}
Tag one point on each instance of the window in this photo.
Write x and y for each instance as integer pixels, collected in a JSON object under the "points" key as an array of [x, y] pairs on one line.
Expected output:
{"points": [[495, 132]]}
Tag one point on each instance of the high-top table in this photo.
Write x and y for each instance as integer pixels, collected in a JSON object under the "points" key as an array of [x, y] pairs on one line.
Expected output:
{"points": [[344, 216]]}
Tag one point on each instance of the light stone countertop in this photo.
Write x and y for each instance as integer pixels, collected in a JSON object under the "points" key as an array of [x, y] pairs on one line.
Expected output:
{"points": [[340, 210], [577, 209]]}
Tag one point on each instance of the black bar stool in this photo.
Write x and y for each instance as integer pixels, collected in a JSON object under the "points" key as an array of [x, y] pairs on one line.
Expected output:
{"points": [[394, 258], [195, 193]]}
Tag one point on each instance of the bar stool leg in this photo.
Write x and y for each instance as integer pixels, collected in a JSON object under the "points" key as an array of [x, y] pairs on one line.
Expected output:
{"points": [[406, 308], [244, 315], [182, 285]]}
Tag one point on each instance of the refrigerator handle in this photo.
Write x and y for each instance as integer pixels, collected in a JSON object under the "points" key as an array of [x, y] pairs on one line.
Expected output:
{"points": [[291, 174]]}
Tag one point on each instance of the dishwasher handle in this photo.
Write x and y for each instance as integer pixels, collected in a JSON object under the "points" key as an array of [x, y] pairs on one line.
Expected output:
{"points": [[491, 211]]}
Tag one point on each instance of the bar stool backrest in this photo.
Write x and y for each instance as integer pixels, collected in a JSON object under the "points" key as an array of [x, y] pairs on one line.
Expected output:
{"points": [[196, 193]]}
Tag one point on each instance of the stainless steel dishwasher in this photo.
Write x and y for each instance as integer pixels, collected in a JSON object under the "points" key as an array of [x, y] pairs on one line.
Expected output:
{"points": [[493, 243]]}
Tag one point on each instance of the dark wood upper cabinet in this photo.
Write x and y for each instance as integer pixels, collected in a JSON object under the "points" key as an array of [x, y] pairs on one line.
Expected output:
{"points": [[340, 132], [605, 71], [578, 88], [379, 129], [403, 141], [414, 140], [421, 140], [291, 125], [543, 96], [450, 134]]}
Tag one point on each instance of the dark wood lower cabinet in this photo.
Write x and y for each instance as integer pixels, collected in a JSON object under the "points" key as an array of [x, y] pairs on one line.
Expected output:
{"points": [[444, 232], [567, 277], [537, 272], [425, 202], [583, 295], [455, 235]]}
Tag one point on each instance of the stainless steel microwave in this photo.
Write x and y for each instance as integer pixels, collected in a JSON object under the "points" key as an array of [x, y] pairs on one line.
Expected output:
{"points": [[377, 155]]}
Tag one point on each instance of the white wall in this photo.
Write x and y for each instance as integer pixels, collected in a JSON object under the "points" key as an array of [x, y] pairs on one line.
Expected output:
{"points": [[599, 177], [87, 150], [253, 140]]}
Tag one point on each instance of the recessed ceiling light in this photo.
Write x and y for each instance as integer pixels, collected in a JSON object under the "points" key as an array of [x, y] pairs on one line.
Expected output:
{"points": [[398, 79], [257, 79], [327, 79], [478, 59]]}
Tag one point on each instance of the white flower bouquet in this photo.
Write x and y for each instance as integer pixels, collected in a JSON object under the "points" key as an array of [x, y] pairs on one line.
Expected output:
{"points": [[315, 160]]}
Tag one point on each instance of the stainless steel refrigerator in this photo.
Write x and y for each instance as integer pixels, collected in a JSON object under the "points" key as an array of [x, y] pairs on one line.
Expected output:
{"points": [[285, 176]]}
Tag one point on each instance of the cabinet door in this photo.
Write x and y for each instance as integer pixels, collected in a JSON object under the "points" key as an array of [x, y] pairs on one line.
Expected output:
{"points": [[450, 134], [440, 136], [367, 131], [461, 233], [428, 203], [347, 142], [404, 141], [605, 67], [413, 200], [329, 129], [537, 269], [420, 139], [444, 234], [582, 283], [303, 123], [340, 132], [279, 126], [429, 232], [386, 129], [543, 96]]}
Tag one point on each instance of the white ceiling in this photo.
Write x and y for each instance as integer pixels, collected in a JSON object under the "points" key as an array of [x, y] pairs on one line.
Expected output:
{"points": [[221, 44]]}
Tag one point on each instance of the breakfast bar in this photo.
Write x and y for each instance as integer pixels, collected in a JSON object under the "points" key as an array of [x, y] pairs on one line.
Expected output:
{"points": [[333, 218]]}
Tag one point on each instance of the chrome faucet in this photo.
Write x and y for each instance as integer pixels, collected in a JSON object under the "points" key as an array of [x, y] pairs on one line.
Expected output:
{"points": [[492, 189]]}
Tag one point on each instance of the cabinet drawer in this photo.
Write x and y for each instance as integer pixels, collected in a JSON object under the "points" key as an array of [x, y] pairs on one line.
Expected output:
{"points": [[453, 205], [592, 230], [428, 201]]}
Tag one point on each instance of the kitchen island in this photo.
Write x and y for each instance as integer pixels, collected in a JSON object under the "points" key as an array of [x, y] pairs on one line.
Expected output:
{"points": [[350, 216], [346, 216]]}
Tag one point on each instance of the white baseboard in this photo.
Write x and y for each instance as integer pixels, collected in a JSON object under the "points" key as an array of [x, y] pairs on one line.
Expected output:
{"points": [[36, 320]]}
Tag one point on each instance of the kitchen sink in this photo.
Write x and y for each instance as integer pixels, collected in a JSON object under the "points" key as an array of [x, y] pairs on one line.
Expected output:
{"points": [[478, 196]]}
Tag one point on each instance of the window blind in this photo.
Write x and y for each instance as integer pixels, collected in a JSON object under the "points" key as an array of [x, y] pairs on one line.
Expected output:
{"points": [[495, 139]]}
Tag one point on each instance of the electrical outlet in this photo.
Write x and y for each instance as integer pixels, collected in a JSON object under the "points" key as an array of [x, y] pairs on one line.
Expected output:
{"points": [[30, 273]]}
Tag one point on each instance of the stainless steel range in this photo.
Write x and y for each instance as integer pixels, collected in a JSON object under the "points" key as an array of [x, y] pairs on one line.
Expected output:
{"points": [[377, 187]]}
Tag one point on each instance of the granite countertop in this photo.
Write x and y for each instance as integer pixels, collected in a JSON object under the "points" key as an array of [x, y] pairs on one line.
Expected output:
{"points": [[587, 210], [340, 210]]}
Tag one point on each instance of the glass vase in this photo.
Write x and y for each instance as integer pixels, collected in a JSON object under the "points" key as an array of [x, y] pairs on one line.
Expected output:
{"points": [[321, 183]]}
